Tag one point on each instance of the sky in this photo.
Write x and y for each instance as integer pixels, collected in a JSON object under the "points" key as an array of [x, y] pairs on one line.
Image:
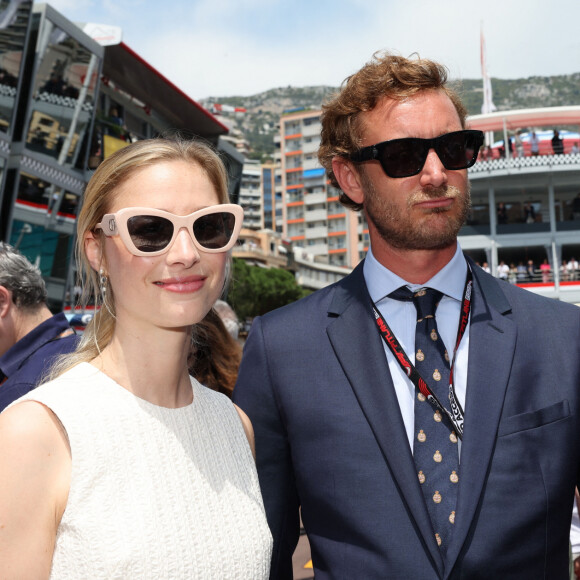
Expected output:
{"points": [[243, 47]]}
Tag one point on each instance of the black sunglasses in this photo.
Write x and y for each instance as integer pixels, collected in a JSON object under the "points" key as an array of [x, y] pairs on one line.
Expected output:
{"points": [[406, 157]]}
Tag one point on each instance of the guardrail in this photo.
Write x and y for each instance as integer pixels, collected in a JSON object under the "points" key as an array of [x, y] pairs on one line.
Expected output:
{"points": [[485, 166]]}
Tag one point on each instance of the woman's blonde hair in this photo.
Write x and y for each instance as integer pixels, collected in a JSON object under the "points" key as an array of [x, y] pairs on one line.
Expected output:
{"points": [[97, 201]]}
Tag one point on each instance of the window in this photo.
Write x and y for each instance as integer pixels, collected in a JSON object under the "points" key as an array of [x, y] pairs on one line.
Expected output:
{"points": [[15, 17], [63, 98]]}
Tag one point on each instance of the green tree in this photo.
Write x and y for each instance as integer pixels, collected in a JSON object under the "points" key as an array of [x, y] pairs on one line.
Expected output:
{"points": [[255, 291]]}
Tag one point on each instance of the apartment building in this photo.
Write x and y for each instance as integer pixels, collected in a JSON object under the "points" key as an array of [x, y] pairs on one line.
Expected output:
{"points": [[272, 196], [312, 216], [251, 194]]}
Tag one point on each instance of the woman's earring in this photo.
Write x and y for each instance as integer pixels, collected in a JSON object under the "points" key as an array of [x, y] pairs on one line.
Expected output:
{"points": [[103, 284]]}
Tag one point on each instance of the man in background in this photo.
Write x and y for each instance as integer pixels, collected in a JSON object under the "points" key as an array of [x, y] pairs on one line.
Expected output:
{"points": [[557, 143], [30, 336]]}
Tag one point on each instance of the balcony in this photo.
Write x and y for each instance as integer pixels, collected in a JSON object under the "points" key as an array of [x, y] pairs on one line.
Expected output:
{"points": [[250, 196], [291, 129], [528, 165], [316, 233], [296, 231], [252, 212], [311, 147], [311, 164], [295, 217], [315, 215], [312, 198], [312, 130], [317, 249]]}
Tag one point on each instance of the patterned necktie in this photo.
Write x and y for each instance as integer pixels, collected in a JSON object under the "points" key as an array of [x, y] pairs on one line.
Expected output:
{"points": [[435, 442]]}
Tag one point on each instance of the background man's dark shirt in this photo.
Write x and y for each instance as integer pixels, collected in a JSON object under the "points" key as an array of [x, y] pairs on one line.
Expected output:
{"points": [[24, 365], [557, 145]]}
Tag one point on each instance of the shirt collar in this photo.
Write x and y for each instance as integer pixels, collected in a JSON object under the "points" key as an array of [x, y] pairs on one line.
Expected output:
{"points": [[450, 280]]}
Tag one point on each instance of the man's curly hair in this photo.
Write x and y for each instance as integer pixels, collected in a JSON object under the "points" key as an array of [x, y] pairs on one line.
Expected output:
{"points": [[385, 76]]}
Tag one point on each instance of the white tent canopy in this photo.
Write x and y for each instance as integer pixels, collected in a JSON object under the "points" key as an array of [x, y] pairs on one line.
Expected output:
{"points": [[521, 118]]}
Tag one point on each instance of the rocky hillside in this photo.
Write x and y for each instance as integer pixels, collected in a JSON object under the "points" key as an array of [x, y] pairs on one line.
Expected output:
{"points": [[259, 123]]}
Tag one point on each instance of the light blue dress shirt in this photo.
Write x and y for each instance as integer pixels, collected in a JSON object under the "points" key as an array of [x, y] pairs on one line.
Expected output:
{"points": [[402, 319]]}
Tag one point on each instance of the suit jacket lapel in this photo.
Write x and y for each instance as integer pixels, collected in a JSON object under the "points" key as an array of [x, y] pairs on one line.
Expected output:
{"points": [[358, 347], [492, 338]]}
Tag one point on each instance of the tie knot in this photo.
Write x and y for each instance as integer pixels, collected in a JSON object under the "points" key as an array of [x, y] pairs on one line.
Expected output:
{"points": [[425, 300]]}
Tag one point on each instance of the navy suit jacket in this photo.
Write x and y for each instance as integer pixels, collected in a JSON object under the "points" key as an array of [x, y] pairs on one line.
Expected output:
{"points": [[330, 438]]}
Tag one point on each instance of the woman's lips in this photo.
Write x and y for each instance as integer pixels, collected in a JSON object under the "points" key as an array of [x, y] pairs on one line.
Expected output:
{"points": [[182, 285]]}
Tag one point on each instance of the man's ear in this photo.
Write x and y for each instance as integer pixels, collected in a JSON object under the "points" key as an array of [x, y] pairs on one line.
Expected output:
{"points": [[93, 250], [348, 178], [5, 301]]}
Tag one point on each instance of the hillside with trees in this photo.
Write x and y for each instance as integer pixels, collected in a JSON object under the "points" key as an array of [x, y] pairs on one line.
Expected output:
{"points": [[260, 122]]}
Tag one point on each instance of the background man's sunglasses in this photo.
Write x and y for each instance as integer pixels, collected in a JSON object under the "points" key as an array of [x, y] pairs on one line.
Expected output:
{"points": [[406, 157], [150, 232]]}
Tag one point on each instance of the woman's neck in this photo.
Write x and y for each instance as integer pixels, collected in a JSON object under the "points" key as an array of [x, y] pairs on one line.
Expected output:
{"points": [[152, 366]]}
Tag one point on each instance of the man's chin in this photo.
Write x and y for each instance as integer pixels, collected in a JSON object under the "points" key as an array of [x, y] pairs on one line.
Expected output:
{"points": [[437, 236]]}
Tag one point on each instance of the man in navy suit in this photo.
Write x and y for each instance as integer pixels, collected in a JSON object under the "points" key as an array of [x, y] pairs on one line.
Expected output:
{"points": [[332, 383]]}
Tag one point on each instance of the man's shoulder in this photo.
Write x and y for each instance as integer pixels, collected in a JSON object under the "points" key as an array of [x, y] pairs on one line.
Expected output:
{"points": [[317, 303], [312, 302], [40, 359], [62, 345], [537, 302]]}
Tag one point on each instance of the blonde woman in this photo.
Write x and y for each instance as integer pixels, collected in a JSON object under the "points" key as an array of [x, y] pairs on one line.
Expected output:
{"points": [[124, 466]]}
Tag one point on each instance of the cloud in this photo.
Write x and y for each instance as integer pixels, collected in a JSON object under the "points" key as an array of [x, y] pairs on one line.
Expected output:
{"points": [[234, 64]]}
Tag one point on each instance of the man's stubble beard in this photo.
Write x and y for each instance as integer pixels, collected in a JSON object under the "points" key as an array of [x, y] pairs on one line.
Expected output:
{"points": [[400, 231]]}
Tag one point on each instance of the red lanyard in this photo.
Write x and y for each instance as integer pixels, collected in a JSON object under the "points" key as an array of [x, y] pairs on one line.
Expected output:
{"points": [[455, 414]]}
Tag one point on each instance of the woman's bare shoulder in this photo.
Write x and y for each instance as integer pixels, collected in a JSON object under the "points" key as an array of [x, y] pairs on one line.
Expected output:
{"points": [[36, 465], [32, 438], [31, 422]]}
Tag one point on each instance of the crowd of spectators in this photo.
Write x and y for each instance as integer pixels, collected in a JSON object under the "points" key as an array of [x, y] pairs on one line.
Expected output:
{"points": [[530, 272], [530, 145]]}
